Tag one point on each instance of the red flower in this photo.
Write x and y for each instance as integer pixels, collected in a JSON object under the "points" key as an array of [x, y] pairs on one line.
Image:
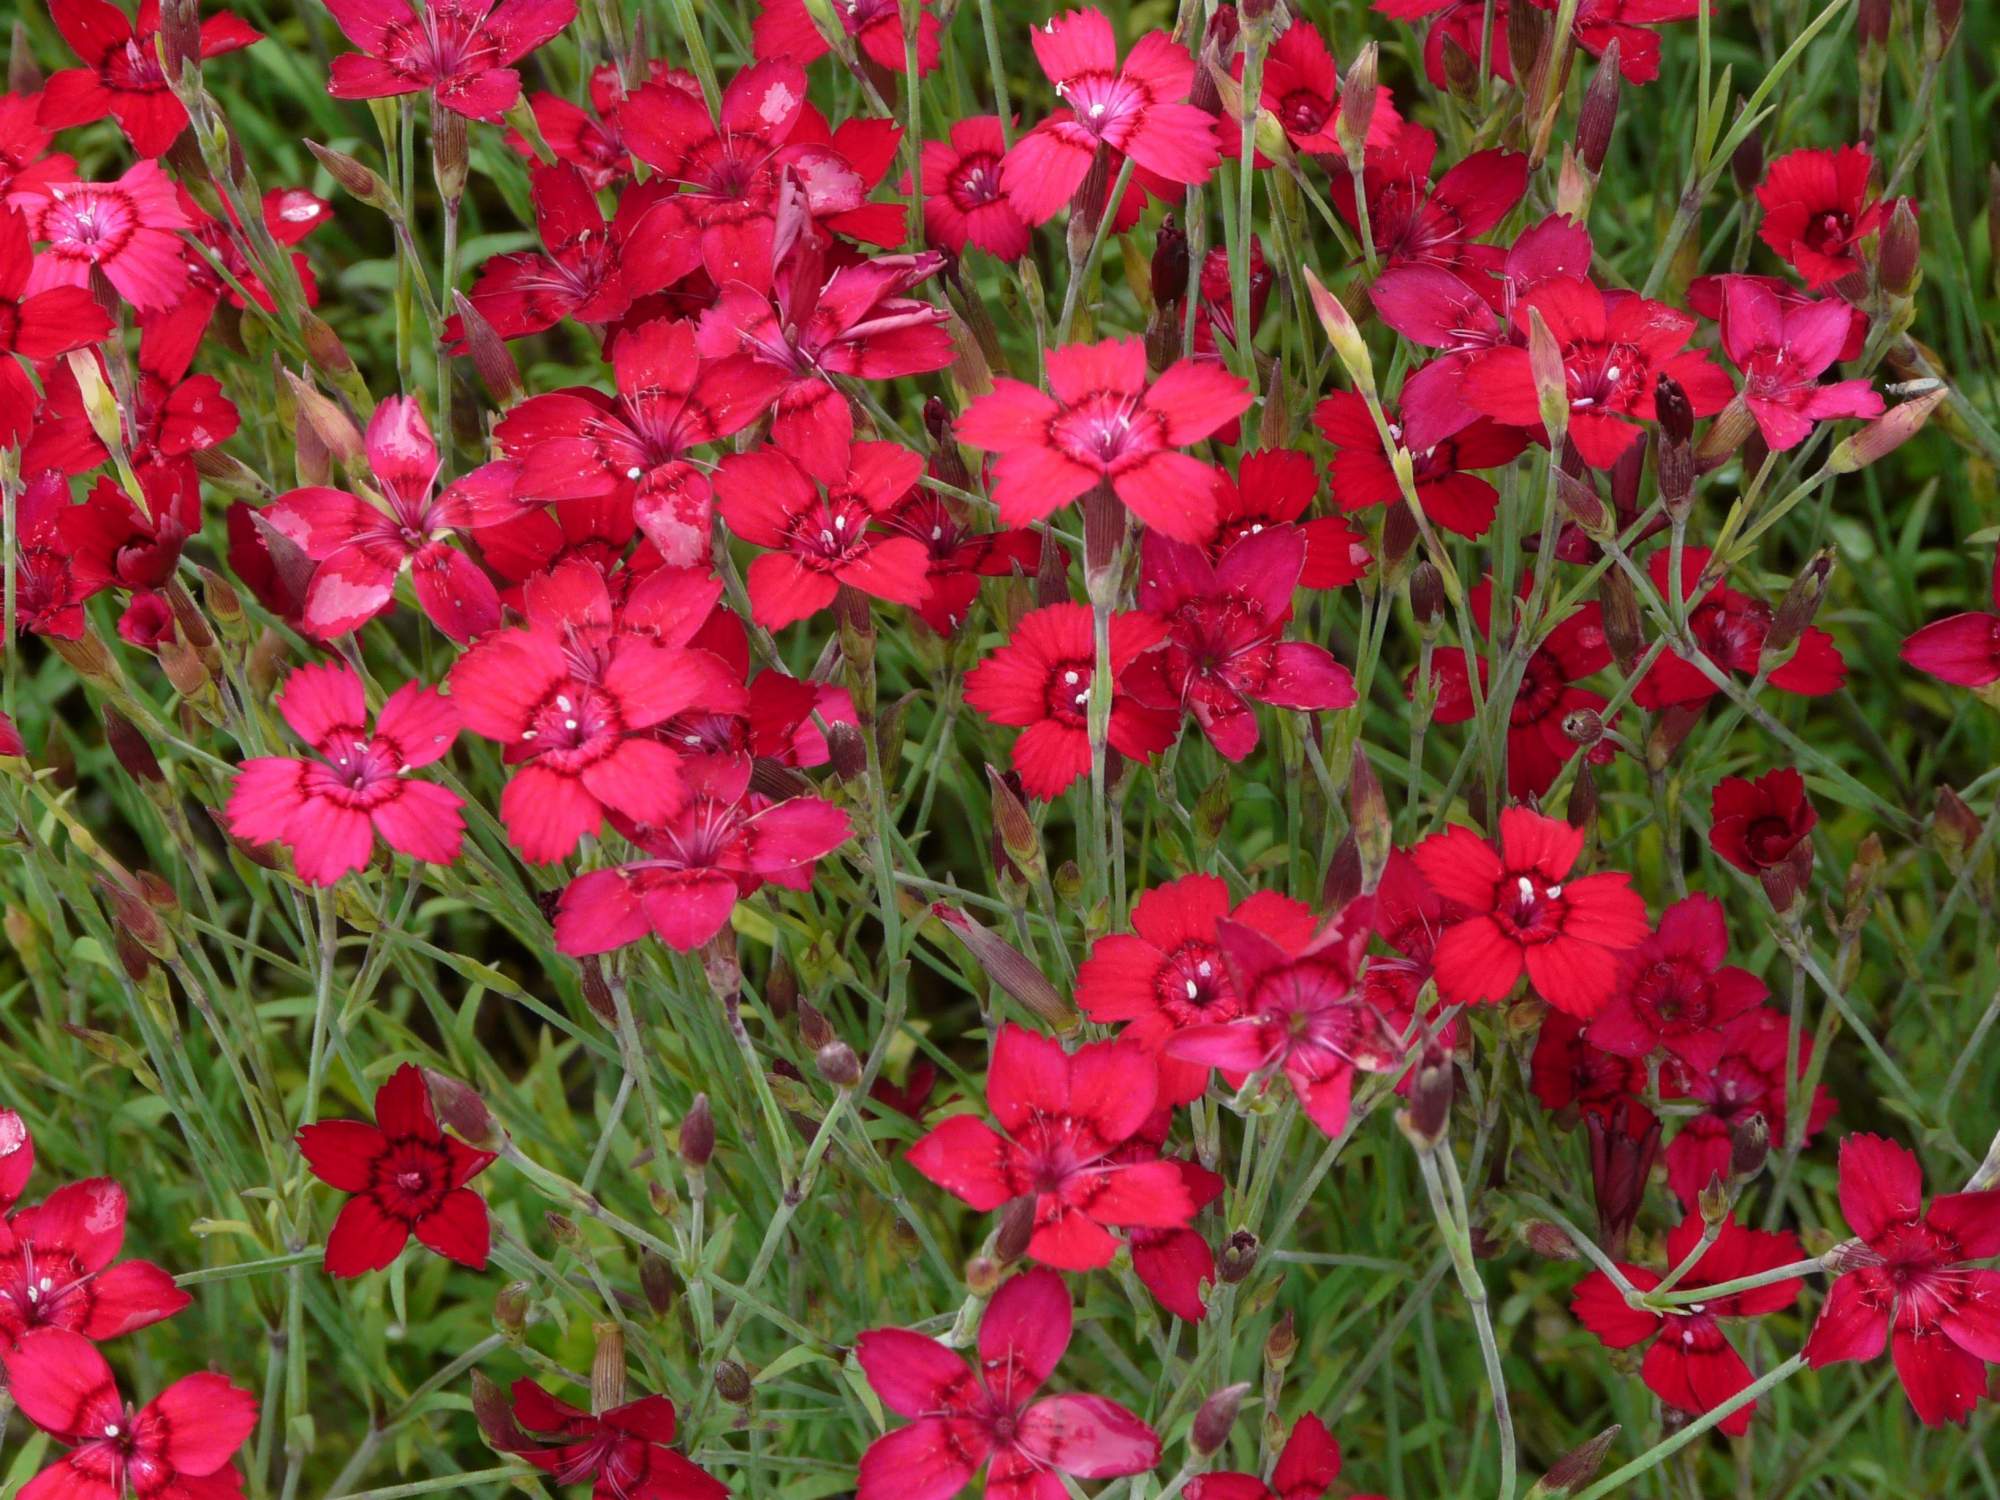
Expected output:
{"points": [[579, 443], [1175, 1265], [114, 544], [1139, 110], [720, 847], [1912, 1287], [362, 545], [462, 51], [822, 541], [987, 1416], [1677, 992], [1273, 489], [1730, 628], [36, 326], [579, 273], [25, 159], [57, 1258], [1524, 913], [48, 594], [1168, 972], [1749, 1080], [1041, 682], [1416, 222], [1782, 351], [1690, 1365], [329, 810], [1303, 1015], [1306, 1469], [121, 74], [1301, 89], [1222, 647], [964, 203], [406, 1177], [1452, 496], [1614, 348], [1065, 1115], [1962, 649], [785, 28], [621, 1452], [1570, 1072], [1103, 421], [1816, 212], [10, 746], [128, 229], [177, 1445], [856, 323], [958, 556]]}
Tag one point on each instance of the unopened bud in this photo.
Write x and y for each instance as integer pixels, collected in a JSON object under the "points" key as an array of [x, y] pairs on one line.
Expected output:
{"points": [[1009, 968], [1545, 362], [1599, 113], [1282, 1342], [1547, 1241], [597, 990], [1369, 810], [459, 1106], [490, 356], [1017, 1227], [495, 1415], [1713, 1200], [1343, 333], [180, 37], [814, 1028], [1586, 507], [134, 918], [697, 1135], [1795, 612], [1170, 264], [1581, 809], [658, 1283], [323, 345], [1884, 435], [1461, 69], [1358, 92], [359, 181], [23, 76], [838, 1065], [1746, 163], [1871, 25], [449, 153], [1237, 1258], [1674, 410], [184, 669], [100, 405], [732, 1383], [131, 749], [1427, 596], [983, 1275], [1576, 1468], [1749, 1145], [1013, 825], [1955, 827], [1941, 21], [1215, 1418], [1901, 251], [1424, 1122], [1732, 428]]}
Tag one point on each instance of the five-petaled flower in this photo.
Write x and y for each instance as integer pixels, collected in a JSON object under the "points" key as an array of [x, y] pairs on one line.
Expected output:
{"points": [[121, 74], [622, 1452], [462, 51]]}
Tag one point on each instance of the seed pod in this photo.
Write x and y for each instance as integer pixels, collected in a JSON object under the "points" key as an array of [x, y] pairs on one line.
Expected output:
{"points": [[1548, 1241], [1281, 1343], [607, 1368], [1749, 1145], [1214, 1419], [1238, 1257], [1017, 1228], [838, 1065], [732, 1383], [658, 1282]]}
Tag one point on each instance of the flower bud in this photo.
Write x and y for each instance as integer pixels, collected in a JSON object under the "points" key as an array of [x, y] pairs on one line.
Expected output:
{"points": [[1674, 410], [1017, 1228], [491, 357], [1901, 251], [658, 1283], [1358, 92], [1941, 21], [1170, 264], [179, 38], [1545, 361], [1586, 507], [1461, 70], [23, 76], [1622, 1148], [360, 182], [697, 1135], [323, 345], [1871, 25], [1795, 612], [562, 1229], [1214, 1419], [1885, 434], [1955, 827], [1599, 113], [596, 990], [1014, 827], [1427, 596], [1749, 1145], [814, 1029], [983, 1275], [1343, 333], [1528, 36], [1746, 163], [1006, 966], [459, 1106], [100, 405], [1547, 1241], [1732, 428], [130, 748], [495, 1415], [838, 1065], [1237, 1258], [1576, 1468], [1580, 811], [732, 1383], [1282, 1342], [1713, 1200], [13, 748], [1369, 810], [134, 918]]}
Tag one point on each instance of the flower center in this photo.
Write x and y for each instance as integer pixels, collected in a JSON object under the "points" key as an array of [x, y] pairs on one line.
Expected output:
{"points": [[1066, 694], [1528, 910]]}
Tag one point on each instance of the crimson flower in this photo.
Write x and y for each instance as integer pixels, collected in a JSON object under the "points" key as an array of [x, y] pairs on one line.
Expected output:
{"points": [[328, 810], [1817, 211], [987, 1416], [580, 271], [25, 159], [1273, 489], [48, 594], [1222, 647], [621, 1452], [1748, 1080], [964, 203], [1570, 1074], [405, 1175], [362, 544], [785, 28], [590, 142], [1103, 421], [1615, 346], [36, 326], [1304, 1015], [581, 444], [1911, 1286], [1524, 913], [1139, 109], [1416, 222], [1307, 1466], [856, 323], [11, 745], [959, 557], [179, 1444], [462, 51], [822, 541], [1730, 629], [1677, 993], [1782, 351], [1040, 682], [1301, 89], [1452, 495], [128, 229], [1065, 1115], [1168, 973], [1173, 1264], [114, 544], [121, 75], [58, 1259], [1690, 1365], [722, 845], [1764, 828], [1962, 649], [1596, 25]]}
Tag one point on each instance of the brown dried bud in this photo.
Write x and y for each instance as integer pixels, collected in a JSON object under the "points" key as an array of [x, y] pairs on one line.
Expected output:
{"points": [[562, 1228], [596, 990], [1429, 1112], [1282, 1342], [131, 749], [658, 1283], [134, 918], [1427, 595], [1528, 38], [1547, 1241], [1017, 1227], [1237, 1258], [1623, 632], [1599, 113], [697, 1135], [1955, 827], [495, 1415], [1795, 612], [1581, 809], [838, 1065], [459, 1106], [732, 1383], [1576, 1468], [846, 750], [1214, 1419], [607, 1368], [982, 1275], [814, 1028], [1713, 1200], [1898, 259]]}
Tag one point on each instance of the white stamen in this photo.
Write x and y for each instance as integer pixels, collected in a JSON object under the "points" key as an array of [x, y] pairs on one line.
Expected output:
{"points": [[1193, 989], [634, 472], [1555, 891], [1527, 887]]}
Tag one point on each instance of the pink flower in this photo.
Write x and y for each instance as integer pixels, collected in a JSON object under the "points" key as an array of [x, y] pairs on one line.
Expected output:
{"points": [[328, 810], [1223, 647], [1064, 1115], [121, 75], [1139, 110], [1168, 973], [179, 1444], [362, 545], [1677, 992], [462, 51], [1307, 1466], [785, 28], [128, 229], [722, 845], [1782, 351], [1104, 421], [1912, 1287], [988, 1417], [964, 202]]}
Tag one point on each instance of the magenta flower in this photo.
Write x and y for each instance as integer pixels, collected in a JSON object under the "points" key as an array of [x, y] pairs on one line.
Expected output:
{"points": [[121, 74], [128, 229], [1782, 350], [462, 51], [988, 1417]]}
